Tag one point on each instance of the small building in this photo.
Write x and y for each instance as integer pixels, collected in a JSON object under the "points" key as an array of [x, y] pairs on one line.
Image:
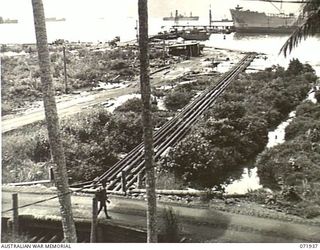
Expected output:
{"points": [[185, 49]]}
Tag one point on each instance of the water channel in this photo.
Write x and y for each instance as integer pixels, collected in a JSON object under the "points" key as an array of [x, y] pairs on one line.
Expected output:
{"points": [[249, 179]]}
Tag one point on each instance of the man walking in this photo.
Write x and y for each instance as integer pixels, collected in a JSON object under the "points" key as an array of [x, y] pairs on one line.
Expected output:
{"points": [[101, 196]]}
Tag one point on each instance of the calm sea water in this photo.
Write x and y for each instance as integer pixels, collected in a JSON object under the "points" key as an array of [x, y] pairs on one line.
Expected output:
{"points": [[269, 45], [101, 30]]}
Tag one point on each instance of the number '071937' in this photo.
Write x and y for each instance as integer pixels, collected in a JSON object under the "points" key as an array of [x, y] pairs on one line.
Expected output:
{"points": [[309, 245]]}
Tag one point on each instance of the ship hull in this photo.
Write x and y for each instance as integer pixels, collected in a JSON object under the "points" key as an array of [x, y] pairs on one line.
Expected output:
{"points": [[268, 30], [258, 22]]}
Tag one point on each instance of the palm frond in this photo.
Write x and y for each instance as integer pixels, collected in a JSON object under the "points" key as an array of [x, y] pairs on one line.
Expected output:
{"points": [[309, 27]]}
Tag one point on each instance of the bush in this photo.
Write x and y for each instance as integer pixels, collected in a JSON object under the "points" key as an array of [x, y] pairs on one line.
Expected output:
{"points": [[317, 96], [171, 229], [167, 180], [259, 196], [208, 196], [133, 105], [311, 212], [118, 65], [200, 164], [177, 100], [9, 238]]}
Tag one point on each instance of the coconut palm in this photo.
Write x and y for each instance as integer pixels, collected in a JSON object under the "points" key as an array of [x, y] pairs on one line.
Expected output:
{"points": [[147, 120], [50, 107], [310, 10]]}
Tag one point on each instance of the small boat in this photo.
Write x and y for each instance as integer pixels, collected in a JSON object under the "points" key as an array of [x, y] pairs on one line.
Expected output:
{"points": [[165, 35], [194, 34]]}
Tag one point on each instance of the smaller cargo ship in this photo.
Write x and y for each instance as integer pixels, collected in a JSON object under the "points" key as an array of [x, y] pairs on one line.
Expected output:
{"points": [[7, 20], [179, 17]]}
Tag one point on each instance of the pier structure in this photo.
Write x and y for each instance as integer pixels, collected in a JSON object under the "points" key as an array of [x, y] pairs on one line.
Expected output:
{"points": [[217, 28]]}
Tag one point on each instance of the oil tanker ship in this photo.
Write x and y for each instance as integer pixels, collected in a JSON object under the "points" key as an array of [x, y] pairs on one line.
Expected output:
{"points": [[247, 21]]}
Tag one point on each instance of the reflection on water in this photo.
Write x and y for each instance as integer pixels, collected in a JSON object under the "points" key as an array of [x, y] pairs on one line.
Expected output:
{"points": [[250, 36], [249, 180], [278, 135]]}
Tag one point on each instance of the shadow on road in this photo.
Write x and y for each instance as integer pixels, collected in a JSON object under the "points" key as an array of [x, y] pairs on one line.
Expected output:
{"points": [[194, 225]]}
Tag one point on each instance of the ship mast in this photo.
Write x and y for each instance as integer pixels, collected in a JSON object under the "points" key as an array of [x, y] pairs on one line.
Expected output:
{"points": [[210, 16]]}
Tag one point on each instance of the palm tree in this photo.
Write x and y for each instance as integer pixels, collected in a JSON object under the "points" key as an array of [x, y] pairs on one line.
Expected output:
{"points": [[52, 120], [310, 26], [147, 120]]}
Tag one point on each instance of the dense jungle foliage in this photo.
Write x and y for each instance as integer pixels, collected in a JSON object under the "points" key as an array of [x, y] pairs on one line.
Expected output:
{"points": [[236, 128]]}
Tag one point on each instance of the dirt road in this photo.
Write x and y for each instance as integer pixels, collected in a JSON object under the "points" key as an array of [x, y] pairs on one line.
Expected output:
{"points": [[198, 223], [65, 108], [75, 103]]}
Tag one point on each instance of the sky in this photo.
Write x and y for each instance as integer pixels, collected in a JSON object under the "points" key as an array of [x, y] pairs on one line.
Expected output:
{"points": [[82, 9]]}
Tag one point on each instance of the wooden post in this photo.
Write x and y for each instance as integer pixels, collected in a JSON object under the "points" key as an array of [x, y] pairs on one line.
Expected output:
{"points": [[124, 181], [15, 219], [137, 31], [164, 49], [139, 180], [51, 174], [65, 70], [93, 234]]}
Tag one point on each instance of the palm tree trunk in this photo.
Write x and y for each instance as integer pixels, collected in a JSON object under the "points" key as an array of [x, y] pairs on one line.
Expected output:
{"points": [[147, 121], [309, 27], [61, 178]]}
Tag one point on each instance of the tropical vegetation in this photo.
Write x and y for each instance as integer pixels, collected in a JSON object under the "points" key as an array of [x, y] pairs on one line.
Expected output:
{"points": [[236, 128]]}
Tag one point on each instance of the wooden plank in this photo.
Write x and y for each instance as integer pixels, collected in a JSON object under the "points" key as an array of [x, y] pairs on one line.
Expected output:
{"points": [[29, 183]]}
